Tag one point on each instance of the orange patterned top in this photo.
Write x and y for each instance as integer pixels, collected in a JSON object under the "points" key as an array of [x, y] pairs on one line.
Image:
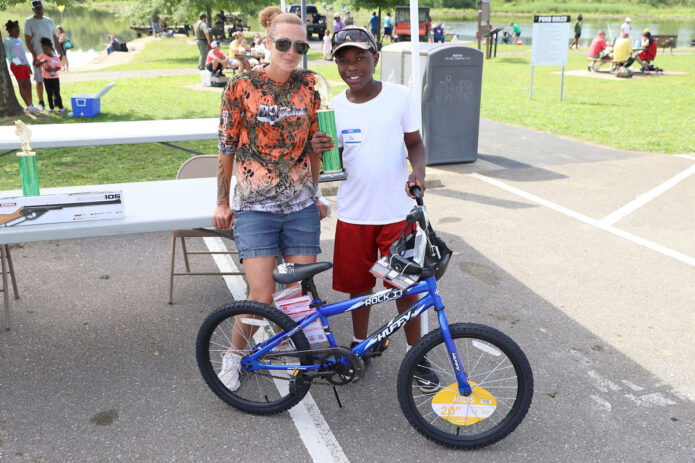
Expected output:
{"points": [[267, 126]]}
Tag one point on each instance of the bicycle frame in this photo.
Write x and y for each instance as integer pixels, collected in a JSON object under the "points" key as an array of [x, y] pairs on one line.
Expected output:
{"points": [[323, 312]]}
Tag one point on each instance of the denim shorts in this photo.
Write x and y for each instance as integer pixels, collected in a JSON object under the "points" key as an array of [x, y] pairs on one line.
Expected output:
{"points": [[262, 234]]}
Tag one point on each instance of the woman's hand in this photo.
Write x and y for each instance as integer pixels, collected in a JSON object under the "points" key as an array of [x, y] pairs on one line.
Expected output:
{"points": [[323, 209], [223, 217], [321, 142]]}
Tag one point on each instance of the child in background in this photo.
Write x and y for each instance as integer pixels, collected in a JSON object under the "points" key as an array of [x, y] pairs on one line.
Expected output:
{"points": [[19, 64], [50, 65], [327, 45]]}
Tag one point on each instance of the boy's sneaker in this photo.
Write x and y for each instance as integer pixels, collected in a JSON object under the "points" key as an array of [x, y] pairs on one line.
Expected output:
{"points": [[60, 111], [32, 109], [50, 110], [42, 106], [229, 374], [425, 376]]}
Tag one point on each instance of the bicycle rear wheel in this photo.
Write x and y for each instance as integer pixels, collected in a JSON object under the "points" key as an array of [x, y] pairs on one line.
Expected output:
{"points": [[498, 372], [260, 392]]}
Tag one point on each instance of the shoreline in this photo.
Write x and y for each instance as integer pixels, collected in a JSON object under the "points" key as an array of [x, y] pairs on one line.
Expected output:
{"points": [[103, 60]]}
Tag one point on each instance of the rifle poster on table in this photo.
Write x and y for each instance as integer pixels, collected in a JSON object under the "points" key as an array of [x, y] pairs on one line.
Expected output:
{"points": [[74, 207]]}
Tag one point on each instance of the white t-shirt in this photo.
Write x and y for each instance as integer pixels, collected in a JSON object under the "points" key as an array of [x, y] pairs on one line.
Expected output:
{"points": [[626, 28], [37, 29], [374, 157]]}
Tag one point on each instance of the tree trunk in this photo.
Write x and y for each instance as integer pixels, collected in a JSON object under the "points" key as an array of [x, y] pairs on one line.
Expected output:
{"points": [[9, 106]]}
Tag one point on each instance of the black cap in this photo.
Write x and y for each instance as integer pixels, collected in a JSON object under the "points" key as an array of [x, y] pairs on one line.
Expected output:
{"points": [[36, 4]]}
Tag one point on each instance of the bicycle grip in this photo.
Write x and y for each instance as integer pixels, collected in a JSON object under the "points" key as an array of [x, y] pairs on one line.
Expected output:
{"points": [[417, 193]]}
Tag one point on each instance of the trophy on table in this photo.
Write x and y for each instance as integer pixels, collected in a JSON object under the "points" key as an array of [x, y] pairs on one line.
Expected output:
{"points": [[27, 162], [332, 168]]}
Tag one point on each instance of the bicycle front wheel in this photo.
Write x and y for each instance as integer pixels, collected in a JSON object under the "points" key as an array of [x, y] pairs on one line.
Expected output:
{"points": [[498, 373], [239, 327]]}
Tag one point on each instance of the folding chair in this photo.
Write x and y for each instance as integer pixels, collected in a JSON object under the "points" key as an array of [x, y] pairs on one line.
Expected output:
{"points": [[7, 269], [196, 167]]}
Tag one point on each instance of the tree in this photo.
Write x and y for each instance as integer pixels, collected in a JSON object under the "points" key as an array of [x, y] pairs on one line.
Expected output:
{"points": [[183, 11], [9, 106]]}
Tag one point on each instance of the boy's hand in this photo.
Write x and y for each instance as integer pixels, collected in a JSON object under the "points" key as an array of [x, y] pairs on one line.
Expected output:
{"points": [[415, 178], [321, 142]]}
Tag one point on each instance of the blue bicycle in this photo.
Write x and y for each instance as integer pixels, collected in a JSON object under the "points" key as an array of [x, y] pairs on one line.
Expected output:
{"points": [[258, 360]]}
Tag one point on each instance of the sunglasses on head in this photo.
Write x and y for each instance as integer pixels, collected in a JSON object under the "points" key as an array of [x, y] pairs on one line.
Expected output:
{"points": [[300, 46], [352, 35]]}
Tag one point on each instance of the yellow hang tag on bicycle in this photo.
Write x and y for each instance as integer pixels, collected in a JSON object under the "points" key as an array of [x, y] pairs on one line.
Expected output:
{"points": [[461, 410]]}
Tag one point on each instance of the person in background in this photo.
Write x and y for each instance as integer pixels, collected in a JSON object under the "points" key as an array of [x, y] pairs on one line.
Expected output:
{"points": [[238, 49], [216, 61], [626, 27], [598, 51], [113, 44], [327, 45], [50, 65], [349, 20], [377, 135], [337, 23], [648, 53], [37, 27], [438, 33], [621, 51], [388, 26], [156, 27], [202, 39], [516, 32], [269, 130], [374, 24], [19, 64], [577, 32], [62, 37]]}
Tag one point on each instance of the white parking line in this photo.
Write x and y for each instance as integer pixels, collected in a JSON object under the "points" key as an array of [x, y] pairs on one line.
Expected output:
{"points": [[596, 223], [643, 199], [310, 423]]}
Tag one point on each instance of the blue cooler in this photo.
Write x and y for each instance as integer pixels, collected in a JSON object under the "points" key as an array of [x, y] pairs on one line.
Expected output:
{"points": [[87, 104]]}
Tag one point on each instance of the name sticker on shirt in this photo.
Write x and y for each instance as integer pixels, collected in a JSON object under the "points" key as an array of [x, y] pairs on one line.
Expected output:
{"points": [[352, 136]]}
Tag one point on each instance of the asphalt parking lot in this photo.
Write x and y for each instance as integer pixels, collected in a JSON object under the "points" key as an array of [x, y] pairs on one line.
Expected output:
{"points": [[582, 254]]}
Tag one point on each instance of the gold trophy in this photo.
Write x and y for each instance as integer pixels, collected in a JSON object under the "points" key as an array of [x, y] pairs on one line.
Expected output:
{"points": [[27, 162], [332, 168]]}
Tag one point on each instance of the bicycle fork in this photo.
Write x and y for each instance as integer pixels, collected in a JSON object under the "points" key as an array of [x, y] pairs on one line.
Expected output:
{"points": [[461, 376]]}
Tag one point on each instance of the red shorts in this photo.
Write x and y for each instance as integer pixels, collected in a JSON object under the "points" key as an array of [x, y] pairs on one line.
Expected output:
{"points": [[21, 72], [644, 56], [356, 249]]}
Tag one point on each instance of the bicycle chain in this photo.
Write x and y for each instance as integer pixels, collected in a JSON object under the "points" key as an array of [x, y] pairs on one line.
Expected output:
{"points": [[318, 380]]}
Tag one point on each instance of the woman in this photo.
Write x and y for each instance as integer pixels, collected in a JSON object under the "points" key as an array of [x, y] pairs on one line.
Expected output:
{"points": [[237, 47], [269, 128], [62, 37]]}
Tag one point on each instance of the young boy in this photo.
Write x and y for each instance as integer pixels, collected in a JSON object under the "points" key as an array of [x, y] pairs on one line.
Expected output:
{"points": [[19, 64], [374, 119]]}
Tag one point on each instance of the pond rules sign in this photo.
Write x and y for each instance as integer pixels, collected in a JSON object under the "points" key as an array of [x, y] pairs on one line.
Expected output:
{"points": [[551, 36]]}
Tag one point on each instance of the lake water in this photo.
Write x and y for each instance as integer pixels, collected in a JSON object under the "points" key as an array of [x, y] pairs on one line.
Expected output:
{"points": [[684, 29], [87, 28]]}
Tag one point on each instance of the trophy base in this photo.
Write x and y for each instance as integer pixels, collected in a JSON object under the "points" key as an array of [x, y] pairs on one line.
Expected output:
{"points": [[332, 176]]}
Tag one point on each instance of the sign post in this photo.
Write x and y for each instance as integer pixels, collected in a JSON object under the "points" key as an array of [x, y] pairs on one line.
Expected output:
{"points": [[549, 48]]}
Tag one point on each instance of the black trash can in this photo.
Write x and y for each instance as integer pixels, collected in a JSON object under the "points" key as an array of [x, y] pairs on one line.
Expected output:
{"points": [[451, 87]]}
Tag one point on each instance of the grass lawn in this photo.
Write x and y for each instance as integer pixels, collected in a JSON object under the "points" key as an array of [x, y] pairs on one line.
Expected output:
{"points": [[642, 113]]}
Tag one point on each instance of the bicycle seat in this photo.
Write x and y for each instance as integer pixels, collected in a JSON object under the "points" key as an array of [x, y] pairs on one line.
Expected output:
{"points": [[291, 273]]}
